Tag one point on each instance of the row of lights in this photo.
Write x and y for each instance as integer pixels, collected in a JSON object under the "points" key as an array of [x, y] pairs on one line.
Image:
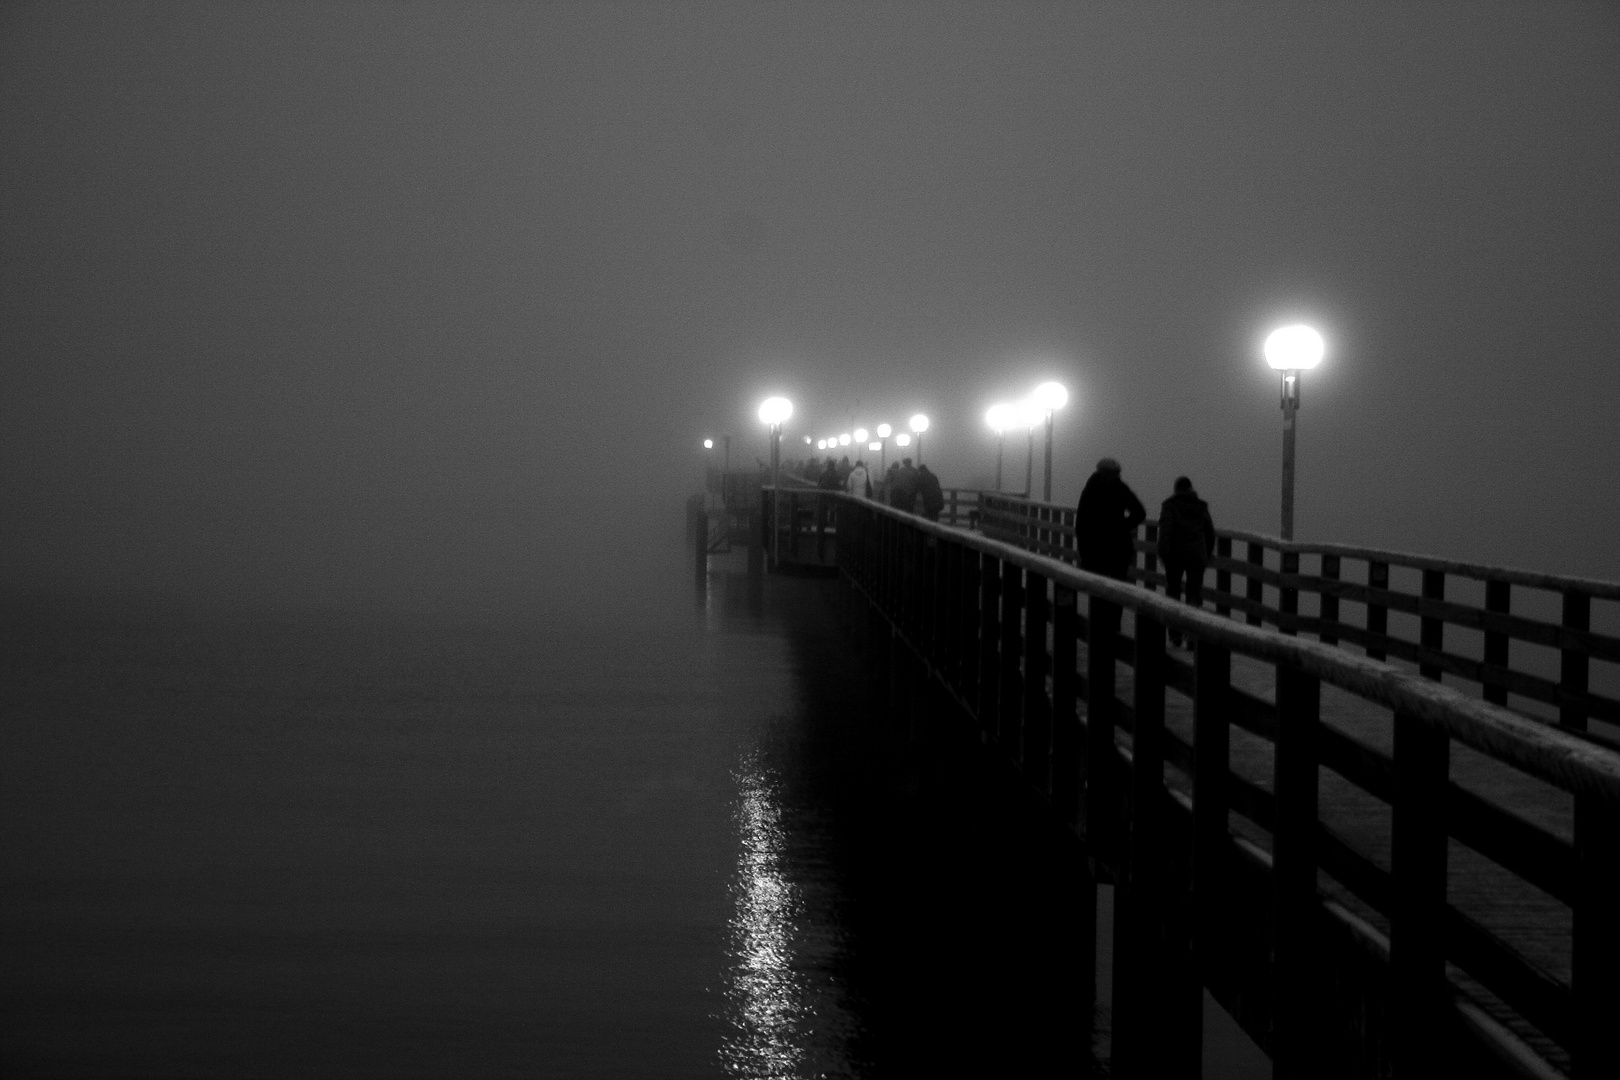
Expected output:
{"points": [[1290, 350]]}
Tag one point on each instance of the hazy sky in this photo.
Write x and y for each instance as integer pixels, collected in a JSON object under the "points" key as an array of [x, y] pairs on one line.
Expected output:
{"points": [[442, 297]]}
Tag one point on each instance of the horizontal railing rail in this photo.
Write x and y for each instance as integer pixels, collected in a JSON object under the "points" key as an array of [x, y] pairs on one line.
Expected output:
{"points": [[1002, 631], [1266, 585]]}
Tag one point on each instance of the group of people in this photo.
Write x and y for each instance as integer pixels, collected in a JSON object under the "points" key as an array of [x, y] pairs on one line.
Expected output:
{"points": [[1105, 526], [910, 488]]}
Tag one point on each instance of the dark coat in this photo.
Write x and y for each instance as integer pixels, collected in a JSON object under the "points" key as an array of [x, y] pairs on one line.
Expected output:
{"points": [[1105, 524], [830, 480], [1186, 531], [903, 489], [933, 499]]}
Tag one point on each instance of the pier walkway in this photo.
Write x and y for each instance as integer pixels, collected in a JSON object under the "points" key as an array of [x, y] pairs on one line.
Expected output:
{"points": [[1374, 873]]}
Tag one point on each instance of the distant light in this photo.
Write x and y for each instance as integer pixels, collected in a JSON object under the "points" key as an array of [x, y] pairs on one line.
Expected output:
{"points": [[860, 434], [1000, 417], [708, 444], [843, 440], [874, 446], [919, 423], [821, 444], [1049, 397], [775, 410], [1294, 348], [807, 440], [902, 439], [884, 431]]}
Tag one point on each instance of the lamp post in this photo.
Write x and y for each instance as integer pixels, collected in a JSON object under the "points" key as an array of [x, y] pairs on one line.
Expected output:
{"points": [[999, 418], [773, 412], [1047, 399], [883, 433], [919, 424], [1291, 350]]}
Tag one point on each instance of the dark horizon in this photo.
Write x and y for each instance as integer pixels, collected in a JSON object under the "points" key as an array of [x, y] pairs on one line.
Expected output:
{"points": [[432, 301]]}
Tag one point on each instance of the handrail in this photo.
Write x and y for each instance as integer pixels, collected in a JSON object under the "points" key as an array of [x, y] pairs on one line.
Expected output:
{"points": [[1567, 762], [997, 626]]}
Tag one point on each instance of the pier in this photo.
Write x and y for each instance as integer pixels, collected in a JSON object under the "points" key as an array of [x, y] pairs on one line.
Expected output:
{"points": [[1373, 872]]}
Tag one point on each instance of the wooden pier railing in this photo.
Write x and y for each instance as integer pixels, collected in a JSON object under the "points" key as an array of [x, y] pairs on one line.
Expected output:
{"points": [[1540, 659], [1216, 805]]}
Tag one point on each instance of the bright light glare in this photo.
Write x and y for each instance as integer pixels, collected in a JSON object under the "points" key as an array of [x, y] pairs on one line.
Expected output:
{"points": [[860, 434], [843, 440], [902, 439], [1049, 397], [821, 444], [1000, 417], [708, 444], [1294, 348], [919, 423], [874, 446], [807, 440], [774, 410], [884, 431]]}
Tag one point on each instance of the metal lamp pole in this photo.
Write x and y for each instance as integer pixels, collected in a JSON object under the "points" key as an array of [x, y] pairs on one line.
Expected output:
{"points": [[1029, 465], [1046, 485], [1001, 449], [1291, 350], [1290, 406]]}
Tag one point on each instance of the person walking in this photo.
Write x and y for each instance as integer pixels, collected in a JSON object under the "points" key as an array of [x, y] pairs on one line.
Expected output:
{"points": [[829, 479], [858, 483], [1186, 541], [933, 499], [1105, 522], [903, 491]]}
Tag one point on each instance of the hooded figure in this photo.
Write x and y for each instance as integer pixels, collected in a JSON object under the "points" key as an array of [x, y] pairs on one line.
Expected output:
{"points": [[1105, 522], [857, 483], [829, 480], [1186, 541], [933, 499], [903, 489]]}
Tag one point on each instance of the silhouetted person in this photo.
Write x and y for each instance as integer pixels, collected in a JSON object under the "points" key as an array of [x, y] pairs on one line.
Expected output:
{"points": [[843, 468], [903, 489], [1186, 541], [1105, 522], [858, 483], [933, 499], [829, 479]]}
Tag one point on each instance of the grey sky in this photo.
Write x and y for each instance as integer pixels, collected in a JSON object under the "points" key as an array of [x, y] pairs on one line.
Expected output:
{"points": [[443, 296]]}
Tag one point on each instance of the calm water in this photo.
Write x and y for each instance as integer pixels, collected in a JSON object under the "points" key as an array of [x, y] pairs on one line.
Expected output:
{"points": [[654, 838]]}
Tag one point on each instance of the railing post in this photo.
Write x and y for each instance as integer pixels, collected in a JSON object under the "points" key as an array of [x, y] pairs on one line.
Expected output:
{"points": [[1377, 614], [968, 632], [1329, 604], [1288, 595], [1212, 762], [1223, 576], [1297, 1000], [1101, 798], [1150, 557], [1065, 722], [1255, 588], [1010, 712], [1418, 895], [1595, 975], [989, 645], [1433, 632], [1572, 663], [1498, 600], [1037, 741]]}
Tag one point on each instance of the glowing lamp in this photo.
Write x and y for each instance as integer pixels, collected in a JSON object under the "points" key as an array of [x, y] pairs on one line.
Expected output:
{"points": [[775, 410], [843, 440], [708, 444], [884, 431], [874, 446], [919, 423], [1294, 348], [1049, 397], [902, 439], [860, 434]]}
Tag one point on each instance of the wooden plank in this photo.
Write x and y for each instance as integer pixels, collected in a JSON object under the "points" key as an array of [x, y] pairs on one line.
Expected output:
{"points": [[1066, 745], [989, 697], [1498, 601], [1101, 792], [1254, 590], [1010, 710], [1211, 767], [1037, 727], [1572, 663], [1432, 631], [1377, 613], [1329, 603], [1223, 573]]}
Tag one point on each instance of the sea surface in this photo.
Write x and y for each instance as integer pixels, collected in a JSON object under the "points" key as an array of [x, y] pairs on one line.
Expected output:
{"points": [[667, 833]]}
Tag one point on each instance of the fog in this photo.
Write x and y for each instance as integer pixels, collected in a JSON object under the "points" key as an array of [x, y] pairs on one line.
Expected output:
{"points": [[435, 302]]}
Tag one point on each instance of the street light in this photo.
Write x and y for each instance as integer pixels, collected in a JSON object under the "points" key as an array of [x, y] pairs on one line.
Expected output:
{"points": [[902, 439], [860, 434], [1291, 350], [843, 440], [773, 411], [708, 444], [1000, 417], [883, 433], [919, 424], [1046, 399]]}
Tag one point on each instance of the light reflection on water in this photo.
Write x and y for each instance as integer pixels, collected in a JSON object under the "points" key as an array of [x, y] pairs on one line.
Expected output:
{"points": [[781, 1009]]}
